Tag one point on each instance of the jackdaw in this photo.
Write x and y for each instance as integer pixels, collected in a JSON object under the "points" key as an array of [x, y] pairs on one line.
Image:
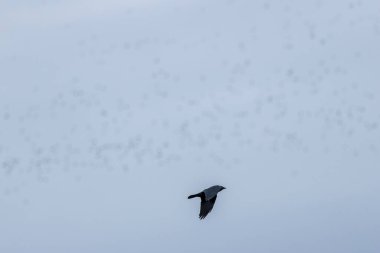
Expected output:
{"points": [[208, 198]]}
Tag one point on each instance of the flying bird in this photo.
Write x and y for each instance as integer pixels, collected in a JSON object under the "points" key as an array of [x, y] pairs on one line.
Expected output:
{"points": [[208, 198]]}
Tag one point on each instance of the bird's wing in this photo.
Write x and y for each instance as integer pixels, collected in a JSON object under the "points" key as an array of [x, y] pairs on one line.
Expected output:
{"points": [[211, 192], [206, 207]]}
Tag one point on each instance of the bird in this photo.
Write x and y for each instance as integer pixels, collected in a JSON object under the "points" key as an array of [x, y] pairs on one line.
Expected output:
{"points": [[208, 198]]}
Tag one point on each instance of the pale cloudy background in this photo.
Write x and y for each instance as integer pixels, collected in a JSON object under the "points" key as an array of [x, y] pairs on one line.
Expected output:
{"points": [[113, 112]]}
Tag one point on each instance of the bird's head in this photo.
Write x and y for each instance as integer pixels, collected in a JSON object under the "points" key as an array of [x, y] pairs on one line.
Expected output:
{"points": [[222, 188]]}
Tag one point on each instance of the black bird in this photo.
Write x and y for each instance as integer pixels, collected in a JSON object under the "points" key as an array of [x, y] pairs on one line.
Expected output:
{"points": [[208, 198]]}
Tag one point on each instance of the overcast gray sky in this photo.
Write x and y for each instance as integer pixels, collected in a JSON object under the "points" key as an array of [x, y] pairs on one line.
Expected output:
{"points": [[112, 112]]}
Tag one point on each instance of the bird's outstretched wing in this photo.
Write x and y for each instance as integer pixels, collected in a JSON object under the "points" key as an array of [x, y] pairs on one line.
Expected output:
{"points": [[206, 207]]}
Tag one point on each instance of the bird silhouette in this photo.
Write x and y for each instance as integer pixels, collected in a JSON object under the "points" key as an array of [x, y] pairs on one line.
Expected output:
{"points": [[208, 198]]}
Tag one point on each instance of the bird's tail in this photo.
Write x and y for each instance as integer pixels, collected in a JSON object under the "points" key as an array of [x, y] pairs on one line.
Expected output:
{"points": [[194, 196]]}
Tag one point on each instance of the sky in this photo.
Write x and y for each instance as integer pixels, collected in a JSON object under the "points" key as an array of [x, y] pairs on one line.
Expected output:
{"points": [[113, 112]]}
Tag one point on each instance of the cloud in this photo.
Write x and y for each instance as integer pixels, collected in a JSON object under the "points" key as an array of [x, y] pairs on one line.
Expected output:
{"points": [[61, 13]]}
